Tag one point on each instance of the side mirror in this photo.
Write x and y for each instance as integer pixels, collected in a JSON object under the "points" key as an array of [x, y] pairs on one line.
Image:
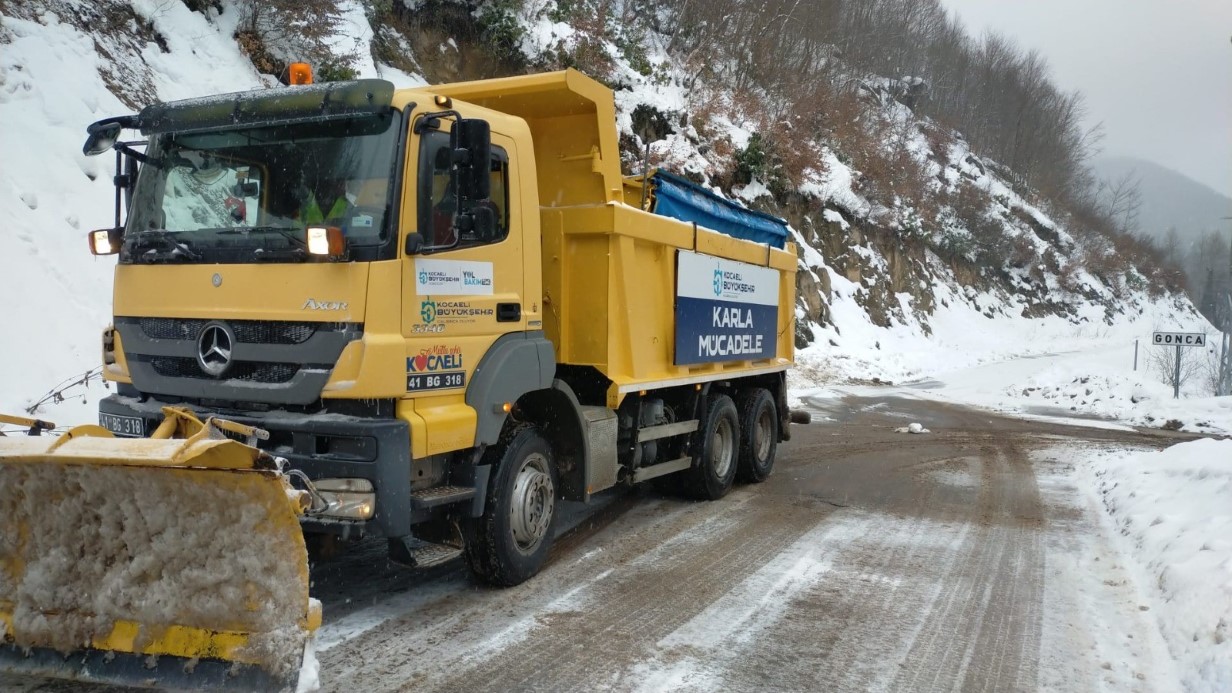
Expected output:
{"points": [[414, 243], [472, 140], [483, 221], [106, 241], [101, 137], [249, 189]]}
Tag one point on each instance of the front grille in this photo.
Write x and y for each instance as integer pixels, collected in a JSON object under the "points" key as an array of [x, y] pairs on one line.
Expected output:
{"points": [[270, 332], [171, 328], [273, 362], [247, 371], [246, 331]]}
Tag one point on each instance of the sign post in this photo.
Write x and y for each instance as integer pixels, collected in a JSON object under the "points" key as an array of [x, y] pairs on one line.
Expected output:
{"points": [[1225, 366], [1176, 380], [1178, 339]]}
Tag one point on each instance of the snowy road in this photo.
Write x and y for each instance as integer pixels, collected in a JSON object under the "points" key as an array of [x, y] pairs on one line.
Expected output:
{"points": [[961, 560], [965, 559]]}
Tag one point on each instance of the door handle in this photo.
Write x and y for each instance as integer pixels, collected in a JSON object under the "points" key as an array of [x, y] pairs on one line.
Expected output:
{"points": [[508, 312]]}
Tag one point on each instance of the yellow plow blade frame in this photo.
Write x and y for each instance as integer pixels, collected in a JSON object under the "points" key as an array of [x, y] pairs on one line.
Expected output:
{"points": [[168, 562]]}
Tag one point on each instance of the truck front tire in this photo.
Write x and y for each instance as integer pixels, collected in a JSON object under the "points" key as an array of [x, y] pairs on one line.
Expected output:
{"points": [[716, 451], [508, 544], [759, 435]]}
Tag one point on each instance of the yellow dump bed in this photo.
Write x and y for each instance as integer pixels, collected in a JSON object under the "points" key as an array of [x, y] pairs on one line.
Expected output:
{"points": [[626, 265], [647, 300]]}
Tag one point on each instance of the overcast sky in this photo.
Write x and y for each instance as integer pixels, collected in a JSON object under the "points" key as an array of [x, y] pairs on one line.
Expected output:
{"points": [[1156, 73]]}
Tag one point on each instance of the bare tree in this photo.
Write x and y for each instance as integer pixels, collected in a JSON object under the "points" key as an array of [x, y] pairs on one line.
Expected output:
{"points": [[1171, 246], [1162, 360], [1207, 268], [1121, 199], [277, 32], [1211, 367], [1001, 98]]}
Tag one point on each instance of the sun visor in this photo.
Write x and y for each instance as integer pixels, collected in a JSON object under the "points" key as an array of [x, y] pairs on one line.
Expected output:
{"points": [[304, 104]]}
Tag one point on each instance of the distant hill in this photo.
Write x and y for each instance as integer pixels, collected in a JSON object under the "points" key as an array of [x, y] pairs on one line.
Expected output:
{"points": [[1170, 198]]}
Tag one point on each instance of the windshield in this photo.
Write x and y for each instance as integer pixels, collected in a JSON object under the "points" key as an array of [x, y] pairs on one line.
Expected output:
{"points": [[221, 196]]}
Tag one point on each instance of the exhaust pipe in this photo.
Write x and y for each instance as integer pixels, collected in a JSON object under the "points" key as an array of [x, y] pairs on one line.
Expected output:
{"points": [[800, 416]]}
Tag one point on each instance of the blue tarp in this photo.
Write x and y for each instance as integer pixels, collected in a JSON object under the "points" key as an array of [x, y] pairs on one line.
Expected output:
{"points": [[681, 199]]}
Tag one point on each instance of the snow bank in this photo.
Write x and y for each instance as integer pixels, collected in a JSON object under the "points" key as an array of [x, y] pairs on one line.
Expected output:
{"points": [[1031, 368], [309, 671], [967, 328], [1173, 510], [1133, 397]]}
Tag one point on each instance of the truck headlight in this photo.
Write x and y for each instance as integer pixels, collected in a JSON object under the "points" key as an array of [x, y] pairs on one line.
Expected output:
{"points": [[325, 240], [348, 499]]}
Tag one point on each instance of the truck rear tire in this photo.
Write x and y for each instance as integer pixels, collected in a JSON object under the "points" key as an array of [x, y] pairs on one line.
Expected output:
{"points": [[508, 544], [759, 435], [716, 450]]}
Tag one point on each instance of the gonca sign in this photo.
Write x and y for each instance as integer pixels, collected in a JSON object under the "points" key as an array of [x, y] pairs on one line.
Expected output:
{"points": [[725, 310], [1179, 339], [452, 278]]}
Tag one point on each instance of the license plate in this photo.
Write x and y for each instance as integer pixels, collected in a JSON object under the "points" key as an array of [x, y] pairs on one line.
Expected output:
{"points": [[435, 381], [122, 425]]}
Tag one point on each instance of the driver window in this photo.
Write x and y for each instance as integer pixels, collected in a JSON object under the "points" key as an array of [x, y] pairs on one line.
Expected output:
{"points": [[437, 202]]}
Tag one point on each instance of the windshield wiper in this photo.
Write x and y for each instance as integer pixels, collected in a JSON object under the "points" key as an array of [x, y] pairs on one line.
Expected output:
{"points": [[295, 254], [153, 239], [283, 231], [298, 250]]}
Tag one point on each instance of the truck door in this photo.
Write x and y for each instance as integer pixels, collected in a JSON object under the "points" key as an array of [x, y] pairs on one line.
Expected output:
{"points": [[464, 289]]}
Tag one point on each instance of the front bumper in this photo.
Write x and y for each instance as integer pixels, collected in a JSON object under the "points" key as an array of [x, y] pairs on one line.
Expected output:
{"points": [[323, 446]]}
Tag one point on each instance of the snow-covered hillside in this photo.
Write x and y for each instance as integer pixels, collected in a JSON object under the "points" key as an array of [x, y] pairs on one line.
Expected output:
{"points": [[877, 300], [57, 60], [53, 82]]}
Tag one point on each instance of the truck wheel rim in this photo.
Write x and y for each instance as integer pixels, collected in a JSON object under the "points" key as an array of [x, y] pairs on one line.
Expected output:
{"points": [[534, 500], [722, 448], [762, 436]]}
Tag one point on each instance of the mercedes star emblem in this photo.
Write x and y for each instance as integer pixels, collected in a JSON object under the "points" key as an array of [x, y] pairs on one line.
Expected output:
{"points": [[216, 280], [214, 349]]}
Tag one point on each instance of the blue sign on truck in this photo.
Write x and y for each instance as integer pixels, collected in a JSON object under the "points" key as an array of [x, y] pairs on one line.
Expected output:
{"points": [[725, 310]]}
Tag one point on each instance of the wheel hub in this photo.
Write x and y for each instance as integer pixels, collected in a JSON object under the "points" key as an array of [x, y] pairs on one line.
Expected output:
{"points": [[762, 436], [722, 448], [534, 500]]}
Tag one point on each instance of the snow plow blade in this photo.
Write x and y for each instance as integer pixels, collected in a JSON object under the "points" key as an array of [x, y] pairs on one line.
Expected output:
{"points": [[173, 562]]}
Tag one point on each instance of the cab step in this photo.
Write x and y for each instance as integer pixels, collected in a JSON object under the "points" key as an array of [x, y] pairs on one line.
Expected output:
{"points": [[419, 554], [440, 495]]}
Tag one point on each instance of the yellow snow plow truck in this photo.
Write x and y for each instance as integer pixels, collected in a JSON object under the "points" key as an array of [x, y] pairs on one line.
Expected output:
{"points": [[347, 310]]}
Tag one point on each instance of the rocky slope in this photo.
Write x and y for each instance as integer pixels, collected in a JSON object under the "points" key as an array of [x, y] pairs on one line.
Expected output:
{"points": [[908, 239]]}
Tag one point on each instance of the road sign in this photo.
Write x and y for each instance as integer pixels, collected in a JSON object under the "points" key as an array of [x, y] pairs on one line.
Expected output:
{"points": [[1179, 339]]}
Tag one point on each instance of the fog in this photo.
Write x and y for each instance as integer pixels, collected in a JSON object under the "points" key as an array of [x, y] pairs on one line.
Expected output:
{"points": [[1156, 73]]}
